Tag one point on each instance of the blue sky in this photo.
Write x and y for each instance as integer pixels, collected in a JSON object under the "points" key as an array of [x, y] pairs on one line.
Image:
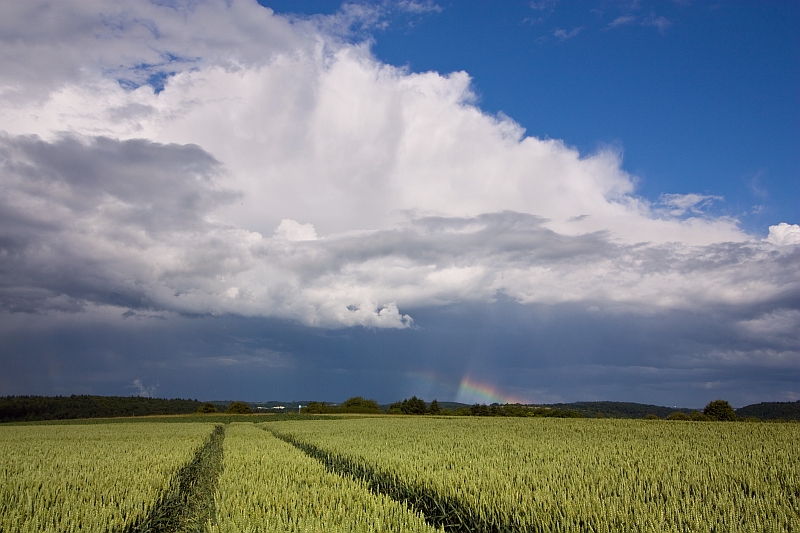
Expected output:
{"points": [[544, 201], [700, 96]]}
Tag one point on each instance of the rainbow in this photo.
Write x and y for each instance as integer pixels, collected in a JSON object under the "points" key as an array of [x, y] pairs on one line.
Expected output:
{"points": [[470, 391]]}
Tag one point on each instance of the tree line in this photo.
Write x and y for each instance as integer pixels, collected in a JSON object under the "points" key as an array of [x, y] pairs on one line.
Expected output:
{"points": [[33, 408], [418, 406], [356, 404], [234, 408], [717, 410]]}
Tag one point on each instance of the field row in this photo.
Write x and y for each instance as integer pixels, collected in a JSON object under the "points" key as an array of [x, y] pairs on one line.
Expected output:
{"points": [[393, 474], [268, 485], [89, 478], [571, 475], [117, 477]]}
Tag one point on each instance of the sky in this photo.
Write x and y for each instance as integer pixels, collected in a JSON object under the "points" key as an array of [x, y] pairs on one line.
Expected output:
{"points": [[532, 202]]}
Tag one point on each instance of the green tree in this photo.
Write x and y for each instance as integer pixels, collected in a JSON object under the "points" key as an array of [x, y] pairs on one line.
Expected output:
{"points": [[357, 404], [207, 407], [316, 408], [239, 408], [480, 410], [720, 410], [434, 408], [414, 406], [409, 406]]}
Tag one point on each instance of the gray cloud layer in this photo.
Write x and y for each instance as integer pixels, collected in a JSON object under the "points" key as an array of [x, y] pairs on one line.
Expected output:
{"points": [[131, 223], [80, 217]]}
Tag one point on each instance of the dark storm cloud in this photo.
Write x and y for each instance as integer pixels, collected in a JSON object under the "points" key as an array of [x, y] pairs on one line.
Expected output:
{"points": [[74, 209], [151, 186], [541, 353]]}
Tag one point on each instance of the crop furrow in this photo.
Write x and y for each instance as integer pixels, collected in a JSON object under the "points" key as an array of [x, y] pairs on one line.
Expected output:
{"points": [[438, 511], [189, 503]]}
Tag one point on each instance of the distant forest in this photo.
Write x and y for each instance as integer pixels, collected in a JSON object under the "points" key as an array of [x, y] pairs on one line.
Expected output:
{"points": [[31, 408], [357, 404], [619, 409], [771, 411], [34, 408]]}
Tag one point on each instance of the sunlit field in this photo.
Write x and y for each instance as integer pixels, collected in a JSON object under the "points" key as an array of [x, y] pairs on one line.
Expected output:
{"points": [[401, 474], [99, 477]]}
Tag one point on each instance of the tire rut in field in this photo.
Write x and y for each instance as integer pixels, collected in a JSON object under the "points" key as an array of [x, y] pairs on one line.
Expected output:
{"points": [[189, 503], [437, 511]]}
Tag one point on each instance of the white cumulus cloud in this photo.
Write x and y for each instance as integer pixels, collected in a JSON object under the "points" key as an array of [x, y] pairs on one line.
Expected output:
{"points": [[294, 231], [784, 234]]}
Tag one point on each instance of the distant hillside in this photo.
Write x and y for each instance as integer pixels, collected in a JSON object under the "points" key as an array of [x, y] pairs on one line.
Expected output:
{"points": [[619, 409], [771, 410], [593, 409], [28, 408]]}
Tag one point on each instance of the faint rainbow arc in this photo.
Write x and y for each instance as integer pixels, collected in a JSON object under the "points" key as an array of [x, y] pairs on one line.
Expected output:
{"points": [[474, 391]]}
